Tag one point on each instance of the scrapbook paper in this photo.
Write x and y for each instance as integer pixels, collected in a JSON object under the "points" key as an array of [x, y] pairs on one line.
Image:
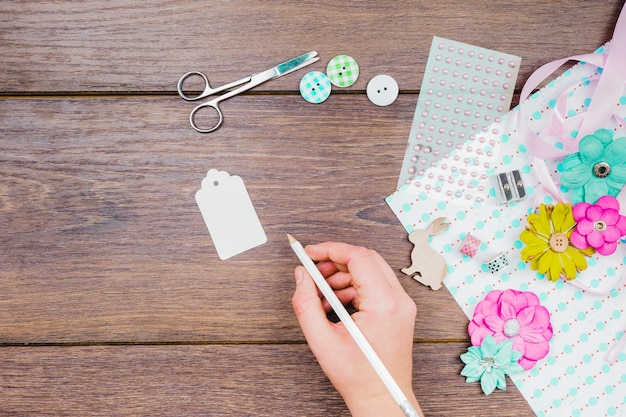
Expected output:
{"points": [[229, 214], [584, 372], [571, 131], [465, 88]]}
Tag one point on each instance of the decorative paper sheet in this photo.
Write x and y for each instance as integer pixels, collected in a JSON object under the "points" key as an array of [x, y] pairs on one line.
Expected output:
{"points": [[575, 379]]}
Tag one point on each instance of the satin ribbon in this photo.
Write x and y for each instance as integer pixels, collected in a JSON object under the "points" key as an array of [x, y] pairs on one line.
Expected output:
{"points": [[610, 86], [615, 349], [542, 147]]}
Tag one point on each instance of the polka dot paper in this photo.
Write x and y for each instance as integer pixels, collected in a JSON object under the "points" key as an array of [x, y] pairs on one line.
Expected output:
{"points": [[465, 88], [588, 314]]}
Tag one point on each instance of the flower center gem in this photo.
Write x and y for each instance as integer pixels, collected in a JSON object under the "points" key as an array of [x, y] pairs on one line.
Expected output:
{"points": [[558, 242], [601, 169], [511, 328], [600, 226]]}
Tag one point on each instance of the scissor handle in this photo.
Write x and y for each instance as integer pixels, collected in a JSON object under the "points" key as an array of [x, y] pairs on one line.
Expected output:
{"points": [[207, 88], [213, 104]]}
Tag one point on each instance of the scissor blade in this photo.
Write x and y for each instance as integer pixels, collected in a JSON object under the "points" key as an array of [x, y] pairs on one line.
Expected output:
{"points": [[295, 63], [269, 74]]}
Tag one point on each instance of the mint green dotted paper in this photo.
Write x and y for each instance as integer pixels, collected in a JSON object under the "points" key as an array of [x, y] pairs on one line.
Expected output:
{"points": [[576, 378]]}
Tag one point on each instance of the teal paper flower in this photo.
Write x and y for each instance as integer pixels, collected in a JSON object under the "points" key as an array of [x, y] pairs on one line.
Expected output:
{"points": [[490, 363], [597, 169]]}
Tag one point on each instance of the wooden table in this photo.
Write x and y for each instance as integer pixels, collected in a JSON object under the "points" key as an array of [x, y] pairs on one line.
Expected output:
{"points": [[112, 299]]}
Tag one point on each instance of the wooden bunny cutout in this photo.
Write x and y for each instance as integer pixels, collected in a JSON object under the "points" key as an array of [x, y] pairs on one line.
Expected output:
{"points": [[427, 266]]}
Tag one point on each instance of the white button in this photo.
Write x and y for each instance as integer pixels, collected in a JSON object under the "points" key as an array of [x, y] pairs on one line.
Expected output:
{"points": [[382, 90]]}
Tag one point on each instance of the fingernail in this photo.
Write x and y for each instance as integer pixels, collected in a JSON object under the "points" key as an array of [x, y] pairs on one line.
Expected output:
{"points": [[298, 276]]}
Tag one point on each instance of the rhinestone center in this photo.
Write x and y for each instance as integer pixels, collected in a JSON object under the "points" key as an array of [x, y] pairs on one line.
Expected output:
{"points": [[511, 328], [601, 169]]}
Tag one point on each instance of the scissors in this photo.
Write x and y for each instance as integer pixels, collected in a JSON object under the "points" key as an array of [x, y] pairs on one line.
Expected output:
{"points": [[245, 84]]}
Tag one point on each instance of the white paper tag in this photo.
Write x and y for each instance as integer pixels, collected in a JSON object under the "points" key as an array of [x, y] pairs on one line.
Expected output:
{"points": [[228, 213]]}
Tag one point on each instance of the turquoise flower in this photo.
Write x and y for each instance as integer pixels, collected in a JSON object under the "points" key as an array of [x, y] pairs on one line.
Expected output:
{"points": [[490, 363], [597, 169]]}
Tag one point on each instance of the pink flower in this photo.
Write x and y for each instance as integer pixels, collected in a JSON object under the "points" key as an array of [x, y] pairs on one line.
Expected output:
{"points": [[516, 315], [599, 225]]}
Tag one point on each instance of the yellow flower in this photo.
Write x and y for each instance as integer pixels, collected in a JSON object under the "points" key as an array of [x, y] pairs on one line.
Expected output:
{"points": [[548, 247]]}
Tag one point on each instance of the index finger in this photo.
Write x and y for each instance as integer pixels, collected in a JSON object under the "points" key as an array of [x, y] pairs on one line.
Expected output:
{"points": [[363, 264]]}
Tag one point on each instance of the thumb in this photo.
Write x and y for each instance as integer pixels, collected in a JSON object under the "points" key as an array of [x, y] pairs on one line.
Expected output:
{"points": [[308, 308]]}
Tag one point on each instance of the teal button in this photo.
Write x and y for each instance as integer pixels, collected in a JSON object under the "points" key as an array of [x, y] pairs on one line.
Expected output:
{"points": [[315, 87]]}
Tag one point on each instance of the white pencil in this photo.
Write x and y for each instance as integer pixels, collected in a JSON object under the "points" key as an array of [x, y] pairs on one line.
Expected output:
{"points": [[354, 331]]}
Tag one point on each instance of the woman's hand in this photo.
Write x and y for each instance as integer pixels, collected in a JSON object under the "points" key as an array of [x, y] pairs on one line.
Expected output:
{"points": [[385, 315]]}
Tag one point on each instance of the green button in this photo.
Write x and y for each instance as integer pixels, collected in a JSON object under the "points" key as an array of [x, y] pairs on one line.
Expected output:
{"points": [[342, 71]]}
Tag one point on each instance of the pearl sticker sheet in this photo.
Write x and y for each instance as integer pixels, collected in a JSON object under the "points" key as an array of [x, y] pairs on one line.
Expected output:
{"points": [[589, 319], [465, 88]]}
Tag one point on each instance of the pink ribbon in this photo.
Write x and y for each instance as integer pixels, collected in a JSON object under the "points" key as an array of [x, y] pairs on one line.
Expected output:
{"points": [[615, 349], [610, 86]]}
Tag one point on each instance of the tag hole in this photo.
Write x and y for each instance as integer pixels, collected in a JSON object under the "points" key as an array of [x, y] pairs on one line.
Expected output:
{"points": [[216, 183]]}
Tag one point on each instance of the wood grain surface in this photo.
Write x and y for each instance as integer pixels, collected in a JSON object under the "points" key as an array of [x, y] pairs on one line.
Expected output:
{"points": [[216, 380], [119, 45], [112, 298]]}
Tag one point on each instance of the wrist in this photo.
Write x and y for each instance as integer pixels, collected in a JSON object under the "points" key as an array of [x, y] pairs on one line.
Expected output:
{"points": [[379, 405]]}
